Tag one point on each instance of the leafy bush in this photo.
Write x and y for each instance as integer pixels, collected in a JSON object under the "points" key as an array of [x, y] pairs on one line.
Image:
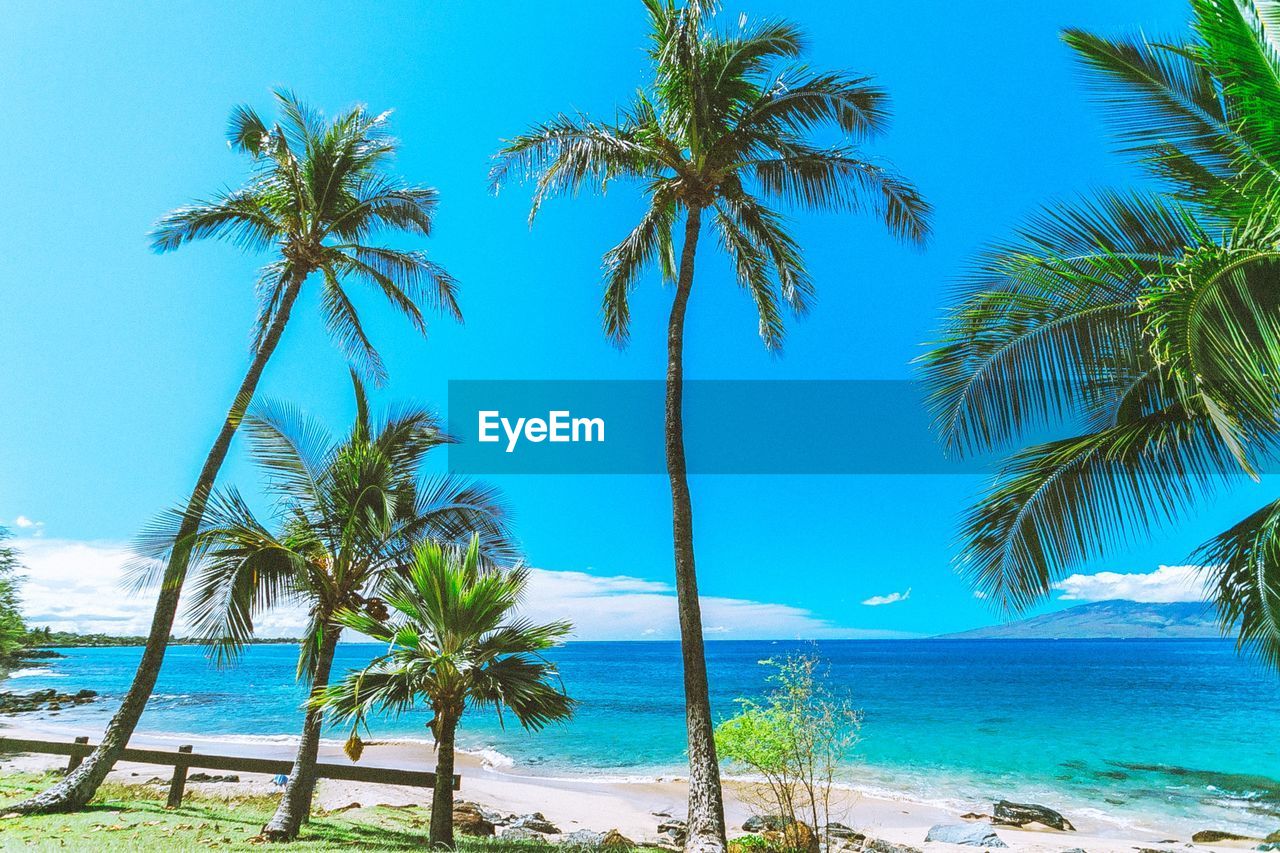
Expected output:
{"points": [[796, 740]]}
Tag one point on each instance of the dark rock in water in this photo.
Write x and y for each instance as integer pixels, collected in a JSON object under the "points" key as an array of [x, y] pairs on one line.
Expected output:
{"points": [[535, 823], [970, 834], [763, 823], [583, 838], [975, 816], [52, 700], [1074, 850], [468, 819], [205, 777], [1020, 814], [1210, 836]]}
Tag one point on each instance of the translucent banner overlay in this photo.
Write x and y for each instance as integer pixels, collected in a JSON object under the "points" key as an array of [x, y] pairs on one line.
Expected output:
{"points": [[730, 427]]}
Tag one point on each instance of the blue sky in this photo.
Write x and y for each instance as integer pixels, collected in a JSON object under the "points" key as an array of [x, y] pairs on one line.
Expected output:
{"points": [[119, 363]]}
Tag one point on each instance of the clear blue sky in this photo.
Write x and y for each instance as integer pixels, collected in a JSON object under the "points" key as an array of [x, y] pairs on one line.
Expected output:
{"points": [[119, 363]]}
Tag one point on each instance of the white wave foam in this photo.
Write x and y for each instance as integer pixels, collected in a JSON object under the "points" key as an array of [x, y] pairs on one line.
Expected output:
{"points": [[36, 672]]}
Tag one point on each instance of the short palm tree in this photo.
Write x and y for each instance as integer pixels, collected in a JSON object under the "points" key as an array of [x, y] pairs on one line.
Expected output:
{"points": [[454, 642], [1151, 319], [319, 191], [349, 514], [722, 135]]}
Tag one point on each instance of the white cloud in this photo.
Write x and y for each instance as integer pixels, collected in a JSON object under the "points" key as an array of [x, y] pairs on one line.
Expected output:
{"points": [[1165, 584], [891, 598], [77, 586], [29, 527]]}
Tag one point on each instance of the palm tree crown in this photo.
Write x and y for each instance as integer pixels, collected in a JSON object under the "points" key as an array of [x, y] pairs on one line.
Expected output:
{"points": [[725, 126], [319, 191], [453, 642], [1146, 318]]}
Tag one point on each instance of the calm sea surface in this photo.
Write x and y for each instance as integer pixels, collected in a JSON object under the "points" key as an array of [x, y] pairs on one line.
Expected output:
{"points": [[1157, 733]]}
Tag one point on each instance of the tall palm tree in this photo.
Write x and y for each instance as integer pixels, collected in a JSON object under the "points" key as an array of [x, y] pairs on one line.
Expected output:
{"points": [[454, 641], [1150, 319], [349, 514], [319, 191], [722, 132]]}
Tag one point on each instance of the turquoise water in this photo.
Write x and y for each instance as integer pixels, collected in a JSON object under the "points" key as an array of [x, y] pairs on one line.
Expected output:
{"points": [[1164, 734]]}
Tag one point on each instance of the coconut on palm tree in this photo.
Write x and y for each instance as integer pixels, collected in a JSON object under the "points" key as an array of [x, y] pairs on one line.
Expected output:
{"points": [[722, 136], [348, 514], [1147, 320], [455, 641], [318, 194]]}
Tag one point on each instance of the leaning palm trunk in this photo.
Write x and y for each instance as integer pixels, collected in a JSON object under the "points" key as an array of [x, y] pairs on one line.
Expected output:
{"points": [[81, 784], [706, 805], [442, 794], [295, 805]]}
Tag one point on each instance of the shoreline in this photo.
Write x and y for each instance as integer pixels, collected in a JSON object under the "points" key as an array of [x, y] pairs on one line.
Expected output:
{"points": [[634, 805]]}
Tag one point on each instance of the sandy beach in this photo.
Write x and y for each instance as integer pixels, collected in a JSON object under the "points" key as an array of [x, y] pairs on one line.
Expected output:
{"points": [[634, 807]]}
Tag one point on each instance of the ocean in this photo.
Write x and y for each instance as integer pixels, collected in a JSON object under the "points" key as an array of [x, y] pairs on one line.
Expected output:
{"points": [[1159, 734]]}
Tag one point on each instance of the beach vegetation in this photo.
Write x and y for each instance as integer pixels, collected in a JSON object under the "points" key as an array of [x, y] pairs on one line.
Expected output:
{"points": [[318, 192], [13, 629], [1142, 325], [130, 818], [348, 514], [454, 641], [731, 131], [795, 741]]}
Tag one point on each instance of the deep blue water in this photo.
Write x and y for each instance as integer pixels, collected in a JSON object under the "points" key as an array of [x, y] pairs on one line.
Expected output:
{"points": [[1161, 733]]}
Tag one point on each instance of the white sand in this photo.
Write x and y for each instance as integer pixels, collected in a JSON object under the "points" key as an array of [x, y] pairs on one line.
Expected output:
{"points": [[583, 802]]}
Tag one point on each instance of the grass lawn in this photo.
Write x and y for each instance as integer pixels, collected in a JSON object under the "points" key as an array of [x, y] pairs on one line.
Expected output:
{"points": [[134, 817]]}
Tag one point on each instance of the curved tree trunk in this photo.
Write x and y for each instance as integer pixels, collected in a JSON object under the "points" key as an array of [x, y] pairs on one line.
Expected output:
{"points": [[295, 804], [442, 794], [82, 783], [706, 805]]}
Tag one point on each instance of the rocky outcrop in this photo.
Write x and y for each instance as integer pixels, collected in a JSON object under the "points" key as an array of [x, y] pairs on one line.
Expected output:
{"points": [[1212, 836], [613, 838], [968, 834], [469, 819], [535, 822], [205, 777], [52, 700], [1008, 813], [583, 839], [673, 830], [516, 833], [794, 837], [764, 822]]}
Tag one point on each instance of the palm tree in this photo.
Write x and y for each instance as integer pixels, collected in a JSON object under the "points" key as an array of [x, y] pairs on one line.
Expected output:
{"points": [[1149, 318], [318, 192], [723, 132], [453, 642], [349, 514]]}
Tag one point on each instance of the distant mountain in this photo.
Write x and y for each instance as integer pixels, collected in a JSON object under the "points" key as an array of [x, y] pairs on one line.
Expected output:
{"points": [[1106, 619]]}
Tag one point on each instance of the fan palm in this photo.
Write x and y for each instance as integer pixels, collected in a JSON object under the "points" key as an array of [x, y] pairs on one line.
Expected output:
{"points": [[723, 133], [454, 643], [1148, 319], [318, 192], [349, 514]]}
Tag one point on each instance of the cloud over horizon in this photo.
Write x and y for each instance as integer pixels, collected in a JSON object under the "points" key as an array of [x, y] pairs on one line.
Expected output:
{"points": [[891, 598], [78, 586], [1164, 585]]}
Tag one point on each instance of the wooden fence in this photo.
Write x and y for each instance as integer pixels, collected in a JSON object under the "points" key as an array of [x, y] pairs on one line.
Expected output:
{"points": [[184, 759]]}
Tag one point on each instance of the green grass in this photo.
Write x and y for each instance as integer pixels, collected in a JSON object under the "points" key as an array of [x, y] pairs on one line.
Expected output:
{"points": [[134, 818]]}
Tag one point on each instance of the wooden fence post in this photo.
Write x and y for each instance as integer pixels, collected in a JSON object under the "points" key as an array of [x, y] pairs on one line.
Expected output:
{"points": [[74, 761], [179, 782]]}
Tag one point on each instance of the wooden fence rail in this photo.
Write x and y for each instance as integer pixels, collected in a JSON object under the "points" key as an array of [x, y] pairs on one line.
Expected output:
{"points": [[184, 759]]}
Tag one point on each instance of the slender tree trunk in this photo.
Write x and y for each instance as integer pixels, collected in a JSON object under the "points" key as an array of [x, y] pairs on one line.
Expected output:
{"points": [[706, 806], [442, 794], [295, 804], [82, 783]]}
